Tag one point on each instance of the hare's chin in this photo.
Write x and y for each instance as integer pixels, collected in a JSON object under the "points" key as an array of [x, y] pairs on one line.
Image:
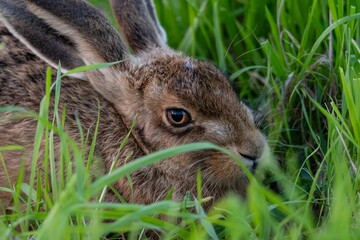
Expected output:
{"points": [[235, 184]]}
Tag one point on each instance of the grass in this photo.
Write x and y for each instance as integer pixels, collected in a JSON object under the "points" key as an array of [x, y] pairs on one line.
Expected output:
{"points": [[298, 64]]}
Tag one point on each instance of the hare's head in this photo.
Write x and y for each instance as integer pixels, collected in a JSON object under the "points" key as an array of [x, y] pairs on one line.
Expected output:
{"points": [[181, 100], [175, 99]]}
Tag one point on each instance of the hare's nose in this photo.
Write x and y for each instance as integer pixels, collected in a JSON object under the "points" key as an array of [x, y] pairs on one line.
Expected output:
{"points": [[251, 159]]}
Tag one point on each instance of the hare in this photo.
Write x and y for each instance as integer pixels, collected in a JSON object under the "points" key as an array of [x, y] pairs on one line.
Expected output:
{"points": [[175, 99]]}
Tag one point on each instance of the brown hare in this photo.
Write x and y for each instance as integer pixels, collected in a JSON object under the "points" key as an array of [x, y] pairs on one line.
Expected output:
{"points": [[175, 99]]}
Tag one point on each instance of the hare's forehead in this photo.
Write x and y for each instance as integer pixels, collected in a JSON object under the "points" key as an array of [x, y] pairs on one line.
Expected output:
{"points": [[190, 80]]}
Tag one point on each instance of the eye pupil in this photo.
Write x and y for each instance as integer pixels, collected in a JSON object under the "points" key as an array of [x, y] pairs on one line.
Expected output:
{"points": [[178, 117]]}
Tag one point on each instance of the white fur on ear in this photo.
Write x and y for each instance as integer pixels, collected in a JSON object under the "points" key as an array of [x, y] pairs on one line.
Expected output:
{"points": [[163, 34], [85, 50], [161, 31]]}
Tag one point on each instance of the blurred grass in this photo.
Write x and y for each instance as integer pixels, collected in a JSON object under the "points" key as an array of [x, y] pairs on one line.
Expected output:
{"points": [[298, 64]]}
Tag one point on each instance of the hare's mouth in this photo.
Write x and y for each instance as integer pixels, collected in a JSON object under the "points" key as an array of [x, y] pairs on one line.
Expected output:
{"points": [[251, 164]]}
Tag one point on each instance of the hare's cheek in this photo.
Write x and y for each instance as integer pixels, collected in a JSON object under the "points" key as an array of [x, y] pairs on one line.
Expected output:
{"points": [[161, 136], [223, 175], [223, 169]]}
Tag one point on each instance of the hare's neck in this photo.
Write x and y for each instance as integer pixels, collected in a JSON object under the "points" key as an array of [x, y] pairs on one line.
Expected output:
{"points": [[113, 145]]}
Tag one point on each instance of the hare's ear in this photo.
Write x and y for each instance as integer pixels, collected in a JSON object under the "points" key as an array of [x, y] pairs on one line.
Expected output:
{"points": [[74, 34], [38, 36], [152, 11], [138, 22]]}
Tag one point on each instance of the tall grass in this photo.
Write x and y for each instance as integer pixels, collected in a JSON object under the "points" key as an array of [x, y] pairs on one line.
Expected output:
{"points": [[298, 64]]}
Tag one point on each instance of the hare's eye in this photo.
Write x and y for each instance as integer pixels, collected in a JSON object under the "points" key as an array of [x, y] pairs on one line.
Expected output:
{"points": [[178, 117]]}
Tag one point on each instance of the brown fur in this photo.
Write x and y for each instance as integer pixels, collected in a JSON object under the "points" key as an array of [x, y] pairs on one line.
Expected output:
{"points": [[145, 85]]}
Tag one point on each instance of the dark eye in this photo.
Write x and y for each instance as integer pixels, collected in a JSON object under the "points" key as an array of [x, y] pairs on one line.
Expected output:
{"points": [[178, 117]]}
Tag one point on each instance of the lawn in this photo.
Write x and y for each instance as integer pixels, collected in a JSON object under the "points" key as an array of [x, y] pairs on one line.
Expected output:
{"points": [[297, 64]]}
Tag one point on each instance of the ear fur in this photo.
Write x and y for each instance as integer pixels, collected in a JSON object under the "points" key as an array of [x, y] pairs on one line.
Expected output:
{"points": [[76, 33], [95, 39], [72, 32], [152, 11], [38, 36], [138, 22]]}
